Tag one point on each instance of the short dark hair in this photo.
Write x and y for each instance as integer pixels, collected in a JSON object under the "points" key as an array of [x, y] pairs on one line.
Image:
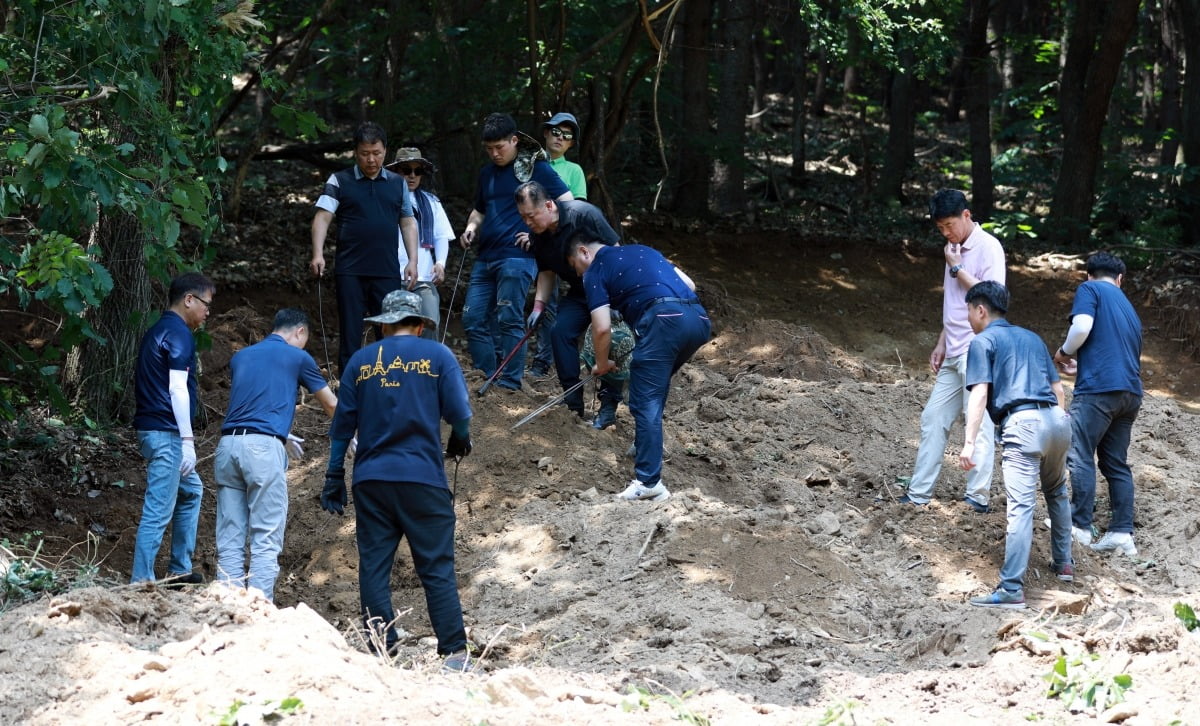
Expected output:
{"points": [[189, 283], [289, 318], [531, 191], [498, 126], [369, 132], [580, 238], [1104, 264], [947, 203], [991, 294]]}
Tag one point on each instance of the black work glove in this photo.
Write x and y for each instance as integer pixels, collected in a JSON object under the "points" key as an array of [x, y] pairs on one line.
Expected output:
{"points": [[333, 496], [457, 447]]}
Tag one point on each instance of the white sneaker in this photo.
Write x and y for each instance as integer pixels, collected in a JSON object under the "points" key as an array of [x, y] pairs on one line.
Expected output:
{"points": [[1082, 536], [638, 492], [1119, 541]]}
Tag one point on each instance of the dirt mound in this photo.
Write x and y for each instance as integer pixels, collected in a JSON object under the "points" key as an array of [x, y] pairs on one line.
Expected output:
{"points": [[780, 582]]}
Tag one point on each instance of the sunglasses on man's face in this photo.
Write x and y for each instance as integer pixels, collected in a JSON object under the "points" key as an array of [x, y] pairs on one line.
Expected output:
{"points": [[564, 135], [412, 170]]}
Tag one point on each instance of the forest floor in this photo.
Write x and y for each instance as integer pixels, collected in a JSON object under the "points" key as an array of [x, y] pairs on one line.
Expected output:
{"points": [[780, 584]]}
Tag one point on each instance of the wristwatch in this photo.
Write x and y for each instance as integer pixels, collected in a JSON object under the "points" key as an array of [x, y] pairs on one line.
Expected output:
{"points": [[954, 270]]}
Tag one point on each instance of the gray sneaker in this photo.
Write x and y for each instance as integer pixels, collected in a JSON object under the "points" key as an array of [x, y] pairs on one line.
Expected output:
{"points": [[639, 492], [1001, 598], [1116, 541]]}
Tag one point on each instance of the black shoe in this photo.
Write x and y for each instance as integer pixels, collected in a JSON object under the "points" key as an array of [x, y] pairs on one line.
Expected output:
{"points": [[178, 580]]}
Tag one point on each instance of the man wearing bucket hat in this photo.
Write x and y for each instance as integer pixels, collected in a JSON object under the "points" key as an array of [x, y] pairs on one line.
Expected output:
{"points": [[394, 393], [433, 231], [553, 225]]}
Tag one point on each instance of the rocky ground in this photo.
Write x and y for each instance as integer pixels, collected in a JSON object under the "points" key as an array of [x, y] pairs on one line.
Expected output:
{"points": [[779, 584]]}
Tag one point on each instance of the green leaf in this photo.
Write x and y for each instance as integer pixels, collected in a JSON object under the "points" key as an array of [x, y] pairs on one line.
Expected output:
{"points": [[39, 127], [36, 153], [1124, 680]]}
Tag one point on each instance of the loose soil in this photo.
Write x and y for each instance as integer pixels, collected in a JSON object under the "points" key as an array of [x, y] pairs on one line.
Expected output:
{"points": [[780, 584]]}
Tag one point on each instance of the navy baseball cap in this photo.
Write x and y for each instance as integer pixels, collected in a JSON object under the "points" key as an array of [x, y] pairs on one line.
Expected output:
{"points": [[560, 118]]}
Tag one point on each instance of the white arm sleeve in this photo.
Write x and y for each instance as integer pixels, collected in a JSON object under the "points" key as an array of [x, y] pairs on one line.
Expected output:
{"points": [[1081, 327], [180, 405]]}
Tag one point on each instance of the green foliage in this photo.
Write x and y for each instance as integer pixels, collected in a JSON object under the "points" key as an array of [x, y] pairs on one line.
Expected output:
{"points": [[1008, 227], [839, 714], [682, 713], [240, 712], [26, 576], [1187, 616], [1081, 687], [112, 126]]}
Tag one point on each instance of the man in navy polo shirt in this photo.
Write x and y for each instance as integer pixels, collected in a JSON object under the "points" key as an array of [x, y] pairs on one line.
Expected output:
{"points": [[395, 393], [368, 202], [1106, 337], [659, 301], [553, 225], [252, 457], [1011, 375], [503, 270], [165, 388]]}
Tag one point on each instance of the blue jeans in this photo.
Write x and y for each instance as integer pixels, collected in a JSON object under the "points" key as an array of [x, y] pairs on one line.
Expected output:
{"points": [[947, 401], [1035, 449], [494, 316], [571, 322], [667, 336], [385, 512], [252, 503], [1101, 424], [170, 499]]}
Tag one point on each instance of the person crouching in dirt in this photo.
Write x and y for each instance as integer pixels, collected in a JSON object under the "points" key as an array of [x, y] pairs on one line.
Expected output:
{"points": [[659, 300], [553, 225], [256, 442], [1010, 374], [394, 393]]}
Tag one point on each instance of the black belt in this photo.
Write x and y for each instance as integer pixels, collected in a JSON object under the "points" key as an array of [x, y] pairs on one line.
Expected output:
{"points": [[242, 432], [681, 301], [1026, 407]]}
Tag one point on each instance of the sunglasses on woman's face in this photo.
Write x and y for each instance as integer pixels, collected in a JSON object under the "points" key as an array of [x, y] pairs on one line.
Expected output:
{"points": [[412, 170], [564, 135]]}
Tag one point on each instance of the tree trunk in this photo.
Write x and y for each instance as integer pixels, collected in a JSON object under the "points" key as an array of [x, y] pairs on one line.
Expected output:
{"points": [[799, 136], [1097, 38], [898, 153], [100, 376], [977, 59], [695, 138], [1188, 199], [1170, 114], [729, 173]]}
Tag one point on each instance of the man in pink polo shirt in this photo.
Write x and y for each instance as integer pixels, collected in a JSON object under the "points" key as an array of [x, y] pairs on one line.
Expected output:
{"points": [[972, 255]]}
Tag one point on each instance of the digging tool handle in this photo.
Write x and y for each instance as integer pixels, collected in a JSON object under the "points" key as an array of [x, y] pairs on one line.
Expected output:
{"points": [[507, 358], [552, 403]]}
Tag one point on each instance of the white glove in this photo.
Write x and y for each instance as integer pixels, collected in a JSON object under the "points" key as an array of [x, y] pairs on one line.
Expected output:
{"points": [[188, 463], [292, 447], [352, 449]]}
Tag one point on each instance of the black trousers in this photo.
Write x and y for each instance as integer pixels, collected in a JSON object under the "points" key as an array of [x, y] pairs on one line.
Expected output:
{"points": [[385, 512], [359, 297]]}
